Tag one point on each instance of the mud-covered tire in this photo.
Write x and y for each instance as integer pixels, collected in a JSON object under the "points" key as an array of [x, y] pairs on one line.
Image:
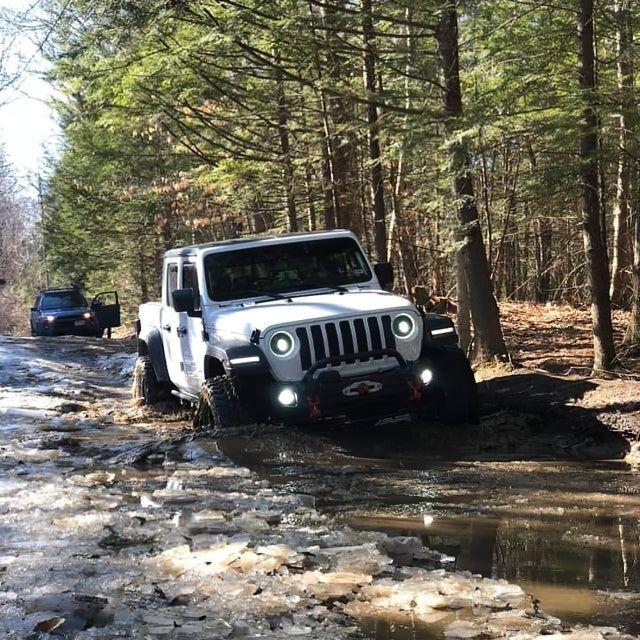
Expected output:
{"points": [[458, 400], [218, 406], [146, 389]]}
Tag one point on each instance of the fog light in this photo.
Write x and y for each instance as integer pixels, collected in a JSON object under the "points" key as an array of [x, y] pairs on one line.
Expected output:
{"points": [[426, 375], [287, 398]]}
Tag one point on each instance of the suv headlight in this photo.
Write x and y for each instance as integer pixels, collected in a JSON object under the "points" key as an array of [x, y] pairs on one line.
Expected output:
{"points": [[281, 344], [403, 326]]}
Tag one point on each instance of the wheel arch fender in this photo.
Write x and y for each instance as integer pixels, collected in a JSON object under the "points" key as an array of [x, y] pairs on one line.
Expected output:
{"points": [[249, 360], [214, 361], [438, 330], [150, 344]]}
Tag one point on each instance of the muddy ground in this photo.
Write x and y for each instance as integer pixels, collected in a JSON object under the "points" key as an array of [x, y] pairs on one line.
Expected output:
{"points": [[118, 522]]}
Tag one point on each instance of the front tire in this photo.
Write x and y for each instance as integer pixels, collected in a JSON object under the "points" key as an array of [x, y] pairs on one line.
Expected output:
{"points": [[456, 385], [146, 389], [219, 405]]}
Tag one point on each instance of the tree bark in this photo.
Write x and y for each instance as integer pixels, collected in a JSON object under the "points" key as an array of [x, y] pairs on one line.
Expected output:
{"points": [[397, 232], [330, 185], [373, 138], [632, 336], [464, 313], [595, 251], [620, 249], [342, 145], [311, 207], [488, 339], [285, 150]]}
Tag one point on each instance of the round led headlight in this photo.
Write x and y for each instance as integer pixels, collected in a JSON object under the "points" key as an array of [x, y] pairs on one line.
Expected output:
{"points": [[403, 326], [281, 344]]}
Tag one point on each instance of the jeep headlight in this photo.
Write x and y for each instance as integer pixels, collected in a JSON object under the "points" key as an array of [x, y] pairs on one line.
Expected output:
{"points": [[403, 326], [281, 344]]}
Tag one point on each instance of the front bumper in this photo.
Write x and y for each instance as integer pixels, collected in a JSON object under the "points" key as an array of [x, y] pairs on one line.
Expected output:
{"points": [[69, 326], [324, 393]]}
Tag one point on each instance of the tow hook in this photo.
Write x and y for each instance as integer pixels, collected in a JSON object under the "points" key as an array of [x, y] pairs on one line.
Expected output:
{"points": [[313, 402], [415, 393]]}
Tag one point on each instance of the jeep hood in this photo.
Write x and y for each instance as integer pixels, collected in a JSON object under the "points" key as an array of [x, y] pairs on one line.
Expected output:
{"points": [[304, 310]]}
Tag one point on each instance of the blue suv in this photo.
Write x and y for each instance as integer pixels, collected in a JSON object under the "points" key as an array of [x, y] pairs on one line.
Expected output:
{"points": [[67, 312]]}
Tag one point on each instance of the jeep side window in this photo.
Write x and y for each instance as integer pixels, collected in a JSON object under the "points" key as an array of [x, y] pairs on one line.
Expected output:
{"points": [[190, 281], [172, 282]]}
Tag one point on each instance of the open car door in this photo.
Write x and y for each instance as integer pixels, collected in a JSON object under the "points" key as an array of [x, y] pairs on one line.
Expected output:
{"points": [[106, 307]]}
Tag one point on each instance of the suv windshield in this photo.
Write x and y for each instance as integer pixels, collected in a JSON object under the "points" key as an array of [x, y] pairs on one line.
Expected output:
{"points": [[63, 300], [283, 268]]}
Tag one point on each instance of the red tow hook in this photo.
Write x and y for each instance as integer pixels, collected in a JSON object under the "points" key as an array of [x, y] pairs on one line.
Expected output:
{"points": [[415, 392], [313, 402]]}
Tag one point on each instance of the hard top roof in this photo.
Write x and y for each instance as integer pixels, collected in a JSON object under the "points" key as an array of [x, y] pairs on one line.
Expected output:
{"points": [[257, 239], [69, 289]]}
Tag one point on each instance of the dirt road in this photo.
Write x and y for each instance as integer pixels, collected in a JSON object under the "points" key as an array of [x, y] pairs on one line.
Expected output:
{"points": [[119, 523]]}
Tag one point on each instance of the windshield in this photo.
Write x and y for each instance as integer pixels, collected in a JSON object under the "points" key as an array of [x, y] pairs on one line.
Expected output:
{"points": [[284, 268], [63, 300]]}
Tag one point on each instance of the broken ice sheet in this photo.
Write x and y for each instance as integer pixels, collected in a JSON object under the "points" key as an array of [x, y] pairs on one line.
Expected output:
{"points": [[364, 558], [463, 629]]}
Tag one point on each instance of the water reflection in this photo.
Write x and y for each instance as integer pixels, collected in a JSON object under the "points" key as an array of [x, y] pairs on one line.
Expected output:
{"points": [[565, 530], [573, 568]]}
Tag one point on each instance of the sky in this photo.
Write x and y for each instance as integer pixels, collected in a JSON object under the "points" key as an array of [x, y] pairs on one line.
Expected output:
{"points": [[28, 128]]}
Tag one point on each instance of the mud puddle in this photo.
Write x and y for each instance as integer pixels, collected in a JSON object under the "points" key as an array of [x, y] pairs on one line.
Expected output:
{"points": [[567, 531]]}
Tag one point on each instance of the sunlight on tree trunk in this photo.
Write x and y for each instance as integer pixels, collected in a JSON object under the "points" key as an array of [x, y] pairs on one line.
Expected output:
{"points": [[488, 340], [595, 251]]}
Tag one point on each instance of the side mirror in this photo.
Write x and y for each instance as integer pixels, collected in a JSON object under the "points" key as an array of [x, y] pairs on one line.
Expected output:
{"points": [[384, 273], [33, 309], [183, 300], [2, 281]]}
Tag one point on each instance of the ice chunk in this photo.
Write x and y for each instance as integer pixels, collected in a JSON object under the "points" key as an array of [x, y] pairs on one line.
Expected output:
{"points": [[463, 629]]}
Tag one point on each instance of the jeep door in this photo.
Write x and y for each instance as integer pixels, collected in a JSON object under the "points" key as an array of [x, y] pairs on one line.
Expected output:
{"points": [[106, 308], [34, 314], [193, 344], [171, 327]]}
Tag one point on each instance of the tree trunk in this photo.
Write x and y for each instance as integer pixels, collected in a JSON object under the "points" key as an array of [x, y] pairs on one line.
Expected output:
{"points": [[543, 261], [464, 313], [375, 156], [632, 336], [343, 146], [595, 251], [543, 243], [620, 253], [330, 187], [488, 339], [397, 231], [285, 150], [311, 207]]}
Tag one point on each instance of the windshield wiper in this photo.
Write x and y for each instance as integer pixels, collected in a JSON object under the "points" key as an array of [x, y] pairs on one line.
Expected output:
{"points": [[270, 295], [314, 285]]}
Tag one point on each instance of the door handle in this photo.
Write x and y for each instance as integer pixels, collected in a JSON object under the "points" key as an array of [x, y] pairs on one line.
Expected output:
{"points": [[181, 331], [166, 327]]}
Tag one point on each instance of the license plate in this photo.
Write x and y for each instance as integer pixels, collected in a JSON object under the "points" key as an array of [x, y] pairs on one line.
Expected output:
{"points": [[78, 323], [362, 388]]}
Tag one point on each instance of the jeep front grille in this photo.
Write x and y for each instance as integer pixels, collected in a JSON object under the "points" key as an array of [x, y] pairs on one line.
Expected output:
{"points": [[346, 337]]}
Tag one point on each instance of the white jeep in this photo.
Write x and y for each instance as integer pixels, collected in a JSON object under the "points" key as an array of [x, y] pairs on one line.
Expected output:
{"points": [[295, 329]]}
